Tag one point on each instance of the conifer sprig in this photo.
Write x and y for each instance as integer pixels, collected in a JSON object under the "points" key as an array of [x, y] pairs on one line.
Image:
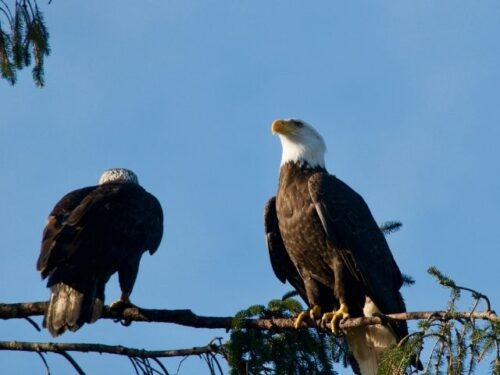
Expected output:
{"points": [[23, 38]]}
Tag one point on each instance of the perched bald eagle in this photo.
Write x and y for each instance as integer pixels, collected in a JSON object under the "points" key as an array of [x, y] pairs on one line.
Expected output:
{"points": [[92, 233], [323, 240]]}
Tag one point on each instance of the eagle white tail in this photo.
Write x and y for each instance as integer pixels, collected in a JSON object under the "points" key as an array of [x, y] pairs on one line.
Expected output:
{"points": [[70, 309], [368, 343]]}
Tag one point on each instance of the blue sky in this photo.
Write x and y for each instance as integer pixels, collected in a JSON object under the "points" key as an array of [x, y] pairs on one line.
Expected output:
{"points": [[405, 94]]}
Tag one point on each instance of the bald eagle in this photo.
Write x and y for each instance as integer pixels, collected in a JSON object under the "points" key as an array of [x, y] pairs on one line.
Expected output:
{"points": [[323, 240], [90, 234]]}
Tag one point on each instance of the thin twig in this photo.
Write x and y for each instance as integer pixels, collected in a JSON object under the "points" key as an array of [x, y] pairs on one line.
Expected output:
{"points": [[158, 362], [437, 365], [139, 364], [44, 362], [72, 361], [426, 369], [478, 294], [133, 364], [34, 324], [143, 365], [217, 363], [10, 18], [473, 343], [6, 15], [180, 363]]}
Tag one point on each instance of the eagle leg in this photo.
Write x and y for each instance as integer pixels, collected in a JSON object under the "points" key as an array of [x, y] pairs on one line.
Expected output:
{"points": [[313, 313], [336, 317], [122, 304]]}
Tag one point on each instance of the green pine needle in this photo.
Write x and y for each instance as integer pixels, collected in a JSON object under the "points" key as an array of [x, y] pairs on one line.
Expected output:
{"points": [[25, 39], [390, 227], [294, 352]]}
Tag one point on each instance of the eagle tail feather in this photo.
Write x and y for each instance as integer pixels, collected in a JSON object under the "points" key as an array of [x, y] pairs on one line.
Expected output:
{"points": [[69, 308], [368, 345]]}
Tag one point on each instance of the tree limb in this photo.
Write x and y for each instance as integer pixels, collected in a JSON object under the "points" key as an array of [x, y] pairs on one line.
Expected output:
{"points": [[186, 317], [44, 347]]}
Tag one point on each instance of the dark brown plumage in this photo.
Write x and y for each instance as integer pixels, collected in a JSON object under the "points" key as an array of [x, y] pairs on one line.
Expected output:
{"points": [[323, 239], [92, 233], [336, 245]]}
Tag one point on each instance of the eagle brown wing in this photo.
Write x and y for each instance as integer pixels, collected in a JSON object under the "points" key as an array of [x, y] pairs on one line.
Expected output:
{"points": [[352, 230], [283, 266], [101, 225], [54, 228]]}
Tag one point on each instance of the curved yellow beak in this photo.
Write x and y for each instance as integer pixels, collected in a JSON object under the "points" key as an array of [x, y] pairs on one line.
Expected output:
{"points": [[280, 127]]}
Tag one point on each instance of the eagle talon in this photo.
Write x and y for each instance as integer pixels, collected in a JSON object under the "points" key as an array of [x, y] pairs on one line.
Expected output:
{"points": [[341, 314], [125, 322], [313, 314], [335, 317], [119, 306], [122, 304], [326, 318]]}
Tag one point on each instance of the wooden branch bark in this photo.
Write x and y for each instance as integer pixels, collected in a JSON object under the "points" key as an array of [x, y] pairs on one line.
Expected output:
{"points": [[44, 347], [186, 317]]}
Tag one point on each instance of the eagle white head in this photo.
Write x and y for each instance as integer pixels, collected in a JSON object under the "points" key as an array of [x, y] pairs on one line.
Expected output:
{"points": [[118, 175], [300, 142]]}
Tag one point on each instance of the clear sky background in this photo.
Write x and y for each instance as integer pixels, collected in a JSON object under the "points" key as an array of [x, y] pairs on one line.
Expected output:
{"points": [[405, 93]]}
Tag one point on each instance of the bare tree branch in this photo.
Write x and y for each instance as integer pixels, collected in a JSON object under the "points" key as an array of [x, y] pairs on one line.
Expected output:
{"points": [[148, 361], [59, 348], [186, 317]]}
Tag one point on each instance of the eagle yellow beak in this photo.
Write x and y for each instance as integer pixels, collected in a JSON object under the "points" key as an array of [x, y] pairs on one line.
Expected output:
{"points": [[281, 127]]}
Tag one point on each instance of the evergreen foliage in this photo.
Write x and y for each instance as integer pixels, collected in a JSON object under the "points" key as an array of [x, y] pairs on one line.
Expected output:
{"points": [[23, 38], [389, 227], [293, 352], [457, 345], [454, 346]]}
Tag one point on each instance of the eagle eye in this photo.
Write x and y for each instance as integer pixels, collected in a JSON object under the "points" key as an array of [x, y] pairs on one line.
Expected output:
{"points": [[299, 124]]}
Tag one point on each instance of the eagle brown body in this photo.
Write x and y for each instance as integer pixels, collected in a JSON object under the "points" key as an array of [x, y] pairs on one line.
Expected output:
{"points": [[337, 261], [92, 233]]}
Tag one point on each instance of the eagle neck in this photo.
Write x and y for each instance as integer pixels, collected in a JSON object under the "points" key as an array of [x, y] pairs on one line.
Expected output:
{"points": [[292, 170]]}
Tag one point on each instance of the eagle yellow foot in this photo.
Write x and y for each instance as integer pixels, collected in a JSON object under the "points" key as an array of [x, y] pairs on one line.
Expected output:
{"points": [[313, 313], [335, 317]]}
